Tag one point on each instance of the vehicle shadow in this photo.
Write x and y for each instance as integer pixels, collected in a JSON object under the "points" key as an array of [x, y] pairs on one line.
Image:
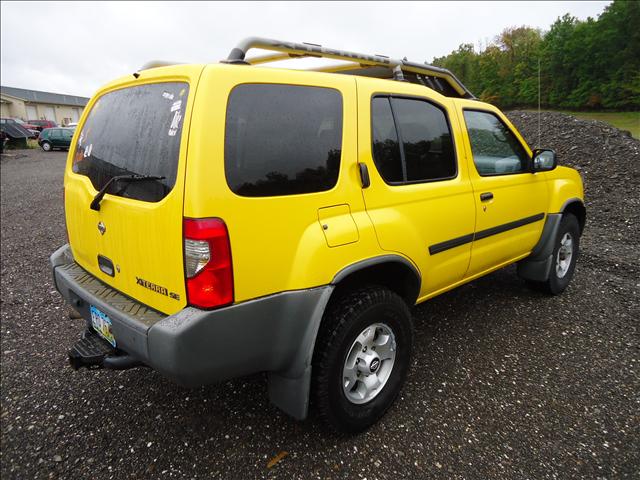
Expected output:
{"points": [[237, 418]]}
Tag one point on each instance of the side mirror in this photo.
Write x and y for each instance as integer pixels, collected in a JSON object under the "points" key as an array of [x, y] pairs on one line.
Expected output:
{"points": [[544, 160]]}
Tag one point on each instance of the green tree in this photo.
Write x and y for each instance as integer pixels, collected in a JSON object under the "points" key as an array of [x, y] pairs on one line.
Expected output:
{"points": [[583, 64]]}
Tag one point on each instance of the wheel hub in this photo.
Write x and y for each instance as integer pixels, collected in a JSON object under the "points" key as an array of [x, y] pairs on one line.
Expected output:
{"points": [[369, 363], [564, 256]]}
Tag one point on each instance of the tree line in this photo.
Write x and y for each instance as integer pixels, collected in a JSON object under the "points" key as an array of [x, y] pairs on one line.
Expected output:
{"points": [[591, 64]]}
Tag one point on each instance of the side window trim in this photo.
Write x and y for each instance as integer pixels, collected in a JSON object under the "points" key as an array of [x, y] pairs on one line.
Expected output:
{"points": [[466, 128], [396, 126], [440, 107]]}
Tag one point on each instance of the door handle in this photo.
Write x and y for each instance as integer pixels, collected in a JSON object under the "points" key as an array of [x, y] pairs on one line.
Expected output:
{"points": [[364, 175], [485, 197]]}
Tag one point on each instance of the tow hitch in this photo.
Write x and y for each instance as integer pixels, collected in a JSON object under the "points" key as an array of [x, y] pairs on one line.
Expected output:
{"points": [[93, 352]]}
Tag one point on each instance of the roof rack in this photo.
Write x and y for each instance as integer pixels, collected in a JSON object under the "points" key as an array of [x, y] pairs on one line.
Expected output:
{"points": [[378, 66]]}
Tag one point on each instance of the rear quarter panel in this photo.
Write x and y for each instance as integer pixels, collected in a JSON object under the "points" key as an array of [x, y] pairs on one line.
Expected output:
{"points": [[277, 243]]}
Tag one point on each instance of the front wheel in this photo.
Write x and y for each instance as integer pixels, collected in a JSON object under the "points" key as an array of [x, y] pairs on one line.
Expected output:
{"points": [[565, 255], [361, 358], [46, 146]]}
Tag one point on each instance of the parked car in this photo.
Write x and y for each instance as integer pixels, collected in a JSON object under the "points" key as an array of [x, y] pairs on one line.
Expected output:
{"points": [[72, 125], [33, 133], [225, 220], [52, 138], [14, 133], [42, 124], [32, 128]]}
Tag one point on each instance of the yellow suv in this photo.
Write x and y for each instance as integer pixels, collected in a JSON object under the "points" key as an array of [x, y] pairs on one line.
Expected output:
{"points": [[227, 219]]}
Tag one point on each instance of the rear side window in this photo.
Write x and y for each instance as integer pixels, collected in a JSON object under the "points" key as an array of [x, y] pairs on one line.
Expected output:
{"points": [[282, 139], [412, 141], [134, 130], [496, 150]]}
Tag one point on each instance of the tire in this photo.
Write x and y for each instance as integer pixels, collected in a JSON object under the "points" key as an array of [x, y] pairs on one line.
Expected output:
{"points": [[373, 316], [562, 269], [46, 146]]}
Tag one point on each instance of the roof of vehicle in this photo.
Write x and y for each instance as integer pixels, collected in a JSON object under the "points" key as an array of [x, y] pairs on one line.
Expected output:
{"points": [[55, 128], [377, 66]]}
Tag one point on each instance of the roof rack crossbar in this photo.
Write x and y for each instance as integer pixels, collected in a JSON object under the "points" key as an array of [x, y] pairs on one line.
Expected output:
{"points": [[292, 50]]}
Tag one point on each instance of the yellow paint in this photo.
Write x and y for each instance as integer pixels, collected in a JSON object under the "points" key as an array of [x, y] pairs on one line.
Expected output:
{"points": [[143, 239], [280, 243]]}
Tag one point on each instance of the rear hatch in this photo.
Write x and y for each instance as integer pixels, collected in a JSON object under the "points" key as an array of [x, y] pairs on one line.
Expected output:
{"points": [[132, 238]]}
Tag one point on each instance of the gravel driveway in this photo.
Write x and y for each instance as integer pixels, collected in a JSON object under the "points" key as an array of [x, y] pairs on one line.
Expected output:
{"points": [[505, 382]]}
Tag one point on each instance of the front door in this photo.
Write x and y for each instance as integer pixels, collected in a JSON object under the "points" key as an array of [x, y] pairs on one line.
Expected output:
{"points": [[420, 198], [510, 200]]}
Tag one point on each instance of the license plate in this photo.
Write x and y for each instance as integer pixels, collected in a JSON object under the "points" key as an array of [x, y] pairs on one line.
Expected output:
{"points": [[102, 324]]}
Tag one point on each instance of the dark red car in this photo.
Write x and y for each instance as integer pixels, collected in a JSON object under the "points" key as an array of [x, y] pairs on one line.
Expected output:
{"points": [[42, 124]]}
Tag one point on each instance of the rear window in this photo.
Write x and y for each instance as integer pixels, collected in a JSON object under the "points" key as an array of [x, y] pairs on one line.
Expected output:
{"points": [[282, 139], [135, 130]]}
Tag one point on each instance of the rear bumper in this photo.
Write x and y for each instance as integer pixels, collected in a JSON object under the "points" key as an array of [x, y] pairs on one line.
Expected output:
{"points": [[196, 347]]}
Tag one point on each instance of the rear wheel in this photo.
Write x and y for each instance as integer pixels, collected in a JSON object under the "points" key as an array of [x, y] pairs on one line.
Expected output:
{"points": [[361, 358], [565, 255], [46, 146]]}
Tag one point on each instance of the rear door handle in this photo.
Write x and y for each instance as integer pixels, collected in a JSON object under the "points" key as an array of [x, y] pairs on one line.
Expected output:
{"points": [[485, 197]]}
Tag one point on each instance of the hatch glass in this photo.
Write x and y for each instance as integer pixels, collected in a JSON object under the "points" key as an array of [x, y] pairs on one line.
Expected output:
{"points": [[134, 131]]}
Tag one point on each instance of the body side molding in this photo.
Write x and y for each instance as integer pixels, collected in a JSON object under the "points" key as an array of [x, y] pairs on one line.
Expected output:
{"points": [[472, 237]]}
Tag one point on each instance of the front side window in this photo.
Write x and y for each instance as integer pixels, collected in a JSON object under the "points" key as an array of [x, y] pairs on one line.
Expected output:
{"points": [[282, 139], [412, 141], [496, 150], [134, 131]]}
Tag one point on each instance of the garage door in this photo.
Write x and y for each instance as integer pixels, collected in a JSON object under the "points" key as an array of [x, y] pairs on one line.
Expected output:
{"points": [[75, 115], [32, 113], [49, 113]]}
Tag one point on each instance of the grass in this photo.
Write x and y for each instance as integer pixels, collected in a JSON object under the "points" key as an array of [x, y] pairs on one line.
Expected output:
{"points": [[623, 120]]}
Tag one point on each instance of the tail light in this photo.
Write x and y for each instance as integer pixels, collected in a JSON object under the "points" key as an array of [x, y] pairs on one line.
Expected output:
{"points": [[207, 261]]}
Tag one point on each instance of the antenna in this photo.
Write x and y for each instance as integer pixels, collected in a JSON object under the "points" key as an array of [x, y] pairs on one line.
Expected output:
{"points": [[538, 102]]}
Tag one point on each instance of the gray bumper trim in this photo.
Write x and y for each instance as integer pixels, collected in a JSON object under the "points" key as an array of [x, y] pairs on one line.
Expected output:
{"points": [[274, 334]]}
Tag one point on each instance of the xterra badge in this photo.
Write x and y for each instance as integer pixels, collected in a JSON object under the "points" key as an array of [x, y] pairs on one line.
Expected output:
{"points": [[157, 288]]}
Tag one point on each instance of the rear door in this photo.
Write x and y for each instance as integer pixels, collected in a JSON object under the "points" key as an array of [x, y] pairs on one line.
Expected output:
{"points": [[134, 241], [420, 199], [56, 138], [67, 135]]}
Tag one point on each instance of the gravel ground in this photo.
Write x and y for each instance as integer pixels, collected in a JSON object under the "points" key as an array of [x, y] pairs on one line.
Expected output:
{"points": [[505, 383]]}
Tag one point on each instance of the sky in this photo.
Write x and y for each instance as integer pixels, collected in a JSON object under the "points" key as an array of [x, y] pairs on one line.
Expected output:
{"points": [[75, 47]]}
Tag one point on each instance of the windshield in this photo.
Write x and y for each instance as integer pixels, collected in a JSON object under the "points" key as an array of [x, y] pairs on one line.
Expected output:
{"points": [[134, 131]]}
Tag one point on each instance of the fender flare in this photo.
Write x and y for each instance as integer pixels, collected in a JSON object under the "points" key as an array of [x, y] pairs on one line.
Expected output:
{"points": [[290, 390], [537, 266]]}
